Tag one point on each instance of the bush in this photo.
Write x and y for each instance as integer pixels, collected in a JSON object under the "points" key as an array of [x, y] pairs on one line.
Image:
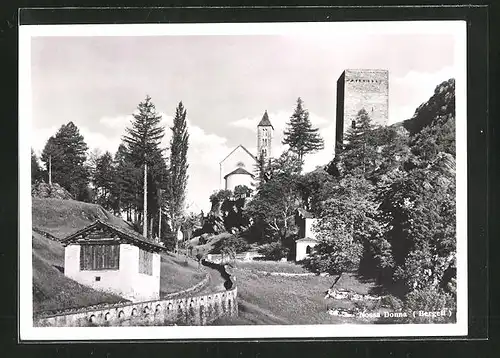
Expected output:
{"points": [[274, 251], [430, 300], [392, 302], [231, 243]]}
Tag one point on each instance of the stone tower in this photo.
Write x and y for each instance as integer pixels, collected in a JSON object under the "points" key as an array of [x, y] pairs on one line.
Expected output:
{"points": [[357, 89], [264, 137]]}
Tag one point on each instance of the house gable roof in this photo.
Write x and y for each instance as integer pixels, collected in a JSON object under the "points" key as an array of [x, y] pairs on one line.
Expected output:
{"points": [[239, 171], [127, 235], [242, 147]]}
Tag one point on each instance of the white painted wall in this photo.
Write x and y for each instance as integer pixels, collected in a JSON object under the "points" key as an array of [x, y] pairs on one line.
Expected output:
{"points": [[301, 247], [234, 180], [126, 282], [309, 222]]}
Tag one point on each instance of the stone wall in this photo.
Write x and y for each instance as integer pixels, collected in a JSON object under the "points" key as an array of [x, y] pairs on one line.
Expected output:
{"points": [[243, 256], [195, 311]]}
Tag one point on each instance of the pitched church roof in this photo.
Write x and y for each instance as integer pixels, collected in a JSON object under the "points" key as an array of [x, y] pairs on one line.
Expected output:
{"points": [[265, 122], [242, 147], [238, 171]]}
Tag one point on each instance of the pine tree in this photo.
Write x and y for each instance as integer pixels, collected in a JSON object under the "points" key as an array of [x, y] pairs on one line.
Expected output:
{"points": [[104, 176], [158, 179], [127, 183], [300, 135], [36, 170], [143, 140], [179, 144], [359, 149], [64, 156]]}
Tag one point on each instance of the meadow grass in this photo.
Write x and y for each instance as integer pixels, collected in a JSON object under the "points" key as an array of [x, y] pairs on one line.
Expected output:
{"points": [[271, 266], [267, 299], [64, 217]]}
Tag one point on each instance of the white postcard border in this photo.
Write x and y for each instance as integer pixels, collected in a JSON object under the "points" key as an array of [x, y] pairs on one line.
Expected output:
{"points": [[26, 329]]}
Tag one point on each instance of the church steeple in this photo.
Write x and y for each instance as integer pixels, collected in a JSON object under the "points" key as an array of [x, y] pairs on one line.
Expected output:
{"points": [[264, 137], [265, 122]]}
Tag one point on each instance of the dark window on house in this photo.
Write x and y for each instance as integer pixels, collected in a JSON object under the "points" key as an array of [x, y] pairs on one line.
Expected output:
{"points": [[99, 257], [308, 249], [145, 262], [353, 124]]}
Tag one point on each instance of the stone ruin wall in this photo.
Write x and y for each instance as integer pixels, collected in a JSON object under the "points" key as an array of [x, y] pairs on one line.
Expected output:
{"points": [[193, 311]]}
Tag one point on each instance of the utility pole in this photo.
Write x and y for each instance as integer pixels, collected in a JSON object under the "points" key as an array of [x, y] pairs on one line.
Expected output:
{"points": [[159, 213], [145, 215], [50, 169]]}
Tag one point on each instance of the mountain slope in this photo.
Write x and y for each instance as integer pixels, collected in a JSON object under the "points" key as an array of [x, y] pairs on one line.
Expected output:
{"points": [[438, 110]]}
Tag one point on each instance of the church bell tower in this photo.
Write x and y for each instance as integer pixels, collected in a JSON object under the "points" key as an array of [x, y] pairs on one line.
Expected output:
{"points": [[264, 137]]}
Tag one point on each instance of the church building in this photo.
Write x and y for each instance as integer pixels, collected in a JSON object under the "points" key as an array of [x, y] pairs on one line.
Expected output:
{"points": [[238, 167]]}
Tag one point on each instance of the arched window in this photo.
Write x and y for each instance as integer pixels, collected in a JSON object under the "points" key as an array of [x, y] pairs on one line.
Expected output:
{"points": [[353, 124], [264, 152], [240, 164], [308, 249]]}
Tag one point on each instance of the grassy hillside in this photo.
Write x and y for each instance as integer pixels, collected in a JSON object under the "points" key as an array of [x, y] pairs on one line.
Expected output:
{"points": [[52, 290], [63, 217], [177, 274], [280, 300]]}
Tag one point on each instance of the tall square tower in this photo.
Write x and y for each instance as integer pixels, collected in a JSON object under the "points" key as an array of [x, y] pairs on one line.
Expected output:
{"points": [[361, 88]]}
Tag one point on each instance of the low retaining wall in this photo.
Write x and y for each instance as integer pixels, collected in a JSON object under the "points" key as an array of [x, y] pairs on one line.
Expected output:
{"points": [[193, 311], [244, 256], [270, 273]]}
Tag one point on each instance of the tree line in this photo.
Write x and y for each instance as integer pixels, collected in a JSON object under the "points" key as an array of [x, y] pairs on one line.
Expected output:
{"points": [[142, 180]]}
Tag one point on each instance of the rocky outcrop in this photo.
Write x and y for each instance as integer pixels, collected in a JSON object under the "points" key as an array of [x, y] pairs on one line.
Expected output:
{"points": [[437, 110], [54, 191]]}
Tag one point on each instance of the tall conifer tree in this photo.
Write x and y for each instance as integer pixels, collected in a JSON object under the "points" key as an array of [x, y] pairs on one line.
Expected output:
{"points": [[359, 149], [179, 144], [143, 140], [300, 135], [64, 156]]}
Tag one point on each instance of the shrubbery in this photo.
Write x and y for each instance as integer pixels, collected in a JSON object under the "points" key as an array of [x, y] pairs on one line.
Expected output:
{"points": [[274, 251], [430, 300], [231, 243]]}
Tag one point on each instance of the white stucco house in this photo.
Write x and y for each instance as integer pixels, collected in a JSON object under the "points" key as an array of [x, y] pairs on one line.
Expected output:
{"points": [[307, 237], [114, 259]]}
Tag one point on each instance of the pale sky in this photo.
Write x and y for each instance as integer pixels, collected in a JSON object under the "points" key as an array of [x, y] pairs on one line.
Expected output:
{"points": [[225, 82]]}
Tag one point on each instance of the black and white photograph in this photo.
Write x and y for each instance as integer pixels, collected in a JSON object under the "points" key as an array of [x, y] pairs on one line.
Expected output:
{"points": [[246, 180]]}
